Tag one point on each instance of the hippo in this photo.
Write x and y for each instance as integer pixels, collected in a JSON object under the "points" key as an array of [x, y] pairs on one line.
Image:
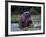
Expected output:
{"points": [[25, 20]]}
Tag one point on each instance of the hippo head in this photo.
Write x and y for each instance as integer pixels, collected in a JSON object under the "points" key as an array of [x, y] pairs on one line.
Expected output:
{"points": [[27, 14]]}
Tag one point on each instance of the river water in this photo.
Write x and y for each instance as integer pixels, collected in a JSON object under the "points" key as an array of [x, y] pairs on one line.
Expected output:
{"points": [[15, 26]]}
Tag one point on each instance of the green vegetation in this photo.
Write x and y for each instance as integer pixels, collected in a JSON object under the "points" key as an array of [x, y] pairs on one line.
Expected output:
{"points": [[15, 18], [27, 29], [36, 17]]}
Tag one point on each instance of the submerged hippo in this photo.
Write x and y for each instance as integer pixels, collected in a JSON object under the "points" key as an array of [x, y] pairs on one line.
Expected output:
{"points": [[25, 20]]}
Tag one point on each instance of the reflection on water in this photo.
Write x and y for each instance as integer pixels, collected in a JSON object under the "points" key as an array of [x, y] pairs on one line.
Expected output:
{"points": [[15, 26]]}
